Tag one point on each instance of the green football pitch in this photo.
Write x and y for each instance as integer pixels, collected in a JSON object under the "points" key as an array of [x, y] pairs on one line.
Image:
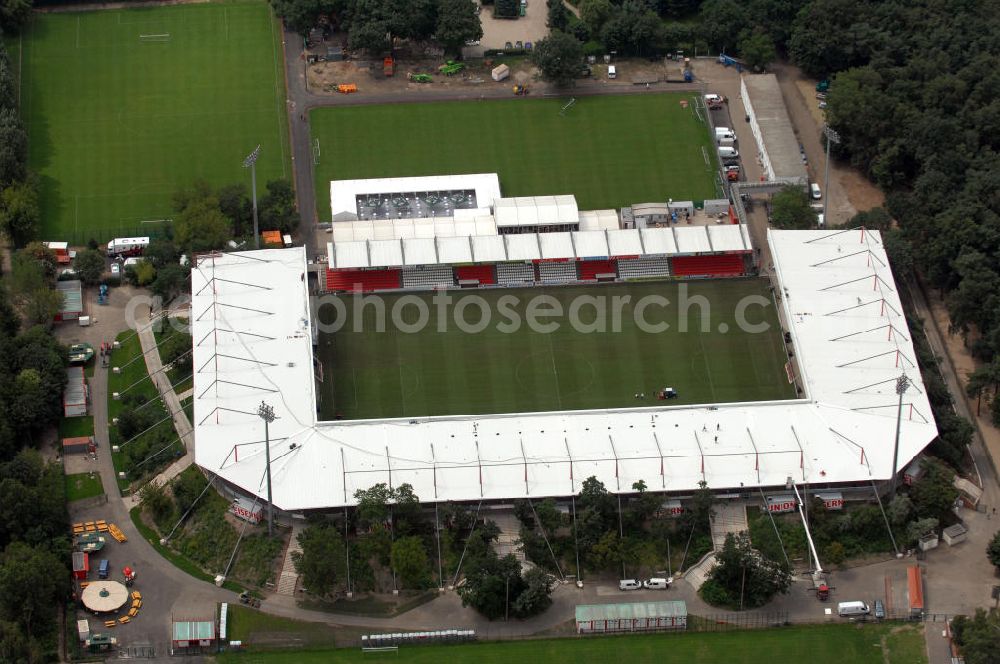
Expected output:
{"points": [[608, 150], [125, 106], [816, 644], [443, 369]]}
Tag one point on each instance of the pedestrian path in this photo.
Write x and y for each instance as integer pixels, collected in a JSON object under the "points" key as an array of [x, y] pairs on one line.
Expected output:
{"points": [[288, 578], [728, 517]]}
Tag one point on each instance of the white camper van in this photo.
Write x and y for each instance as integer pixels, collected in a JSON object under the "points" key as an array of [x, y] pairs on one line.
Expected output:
{"points": [[851, 609]]}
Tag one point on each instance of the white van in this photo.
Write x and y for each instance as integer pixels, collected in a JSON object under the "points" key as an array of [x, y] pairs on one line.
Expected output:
{"points": [[727, 152], [815, 192], [629, 584], [656, 584], [847, 609], [722, 131], [612, 72], [726, 140]]}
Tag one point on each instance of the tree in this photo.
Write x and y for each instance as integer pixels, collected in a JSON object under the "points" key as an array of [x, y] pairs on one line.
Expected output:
{"points": [[917, 529], [277, 207], [409, 559], [536, 595], [743, 578], [202, 227], [934, 493], [757, 49], [155, 501], [633, 30], [321, 559], [235, 204], [558, 56], [722, 21], [37, 251], [32, 581], [27, 401], [595, 13], [978, 638], [457, 23], [790, 209], [505, 9], [993, 550], [19, 210], [14, 15], [142, 273], [176, 352], [875, 219], [162, 252], [302, 15], [13, 148], [187, 488], [89, 265], [170, 280], [558, 16]]}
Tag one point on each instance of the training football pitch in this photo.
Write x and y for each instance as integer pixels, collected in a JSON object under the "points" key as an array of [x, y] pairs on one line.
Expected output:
{"points": [[124, 107], [608, 150], [404, 371]]}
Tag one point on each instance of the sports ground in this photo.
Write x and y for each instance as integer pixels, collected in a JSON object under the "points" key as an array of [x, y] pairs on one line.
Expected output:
{"points": [[816, 644], [396, 373], [607, 150], [124, 107]]}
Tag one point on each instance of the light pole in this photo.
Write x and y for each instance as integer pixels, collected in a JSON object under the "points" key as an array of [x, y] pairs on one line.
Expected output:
{"points": [[831, 137], [902, 383], [266, 413], [251, 163]]}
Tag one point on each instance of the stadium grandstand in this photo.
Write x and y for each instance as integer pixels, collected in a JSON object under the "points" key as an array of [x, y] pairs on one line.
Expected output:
{"points": [[254, 337]]}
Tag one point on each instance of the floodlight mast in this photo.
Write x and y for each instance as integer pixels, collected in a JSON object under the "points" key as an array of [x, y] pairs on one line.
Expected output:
{"points": [[266, 413], [902, 384], [251, 163]]}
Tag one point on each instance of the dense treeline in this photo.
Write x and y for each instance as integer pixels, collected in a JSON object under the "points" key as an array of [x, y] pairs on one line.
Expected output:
{"points": [[19, 210]]}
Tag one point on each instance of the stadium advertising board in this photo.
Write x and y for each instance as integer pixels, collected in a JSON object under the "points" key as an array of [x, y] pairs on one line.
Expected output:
{"points": [[833, 500], [781, 504], [247, 510]]}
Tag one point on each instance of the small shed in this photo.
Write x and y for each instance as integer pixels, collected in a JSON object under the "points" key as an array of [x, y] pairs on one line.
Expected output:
{"points": [[81, 565], [500, 72], [79, 445], [75, 394], [334, 54], [953, 535], [71, 306], [192, 634], [641, 616], [83, 629]]}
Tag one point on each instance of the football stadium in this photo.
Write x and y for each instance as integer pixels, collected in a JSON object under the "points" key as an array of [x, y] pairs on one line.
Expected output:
{"points": [[487, 349]]}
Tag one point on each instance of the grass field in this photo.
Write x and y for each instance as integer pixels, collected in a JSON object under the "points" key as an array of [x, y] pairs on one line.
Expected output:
{"points": [[83, 485], [607, 150], [393, 373], [817, 644], [118, 122]]}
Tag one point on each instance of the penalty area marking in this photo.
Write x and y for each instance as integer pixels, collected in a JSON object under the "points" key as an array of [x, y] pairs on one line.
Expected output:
{"points": [[155, 38]]}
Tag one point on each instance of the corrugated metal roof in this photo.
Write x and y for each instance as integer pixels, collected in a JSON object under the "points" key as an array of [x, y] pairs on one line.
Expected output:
{"points": [[668, 609], [72, 296], [76, 388]]}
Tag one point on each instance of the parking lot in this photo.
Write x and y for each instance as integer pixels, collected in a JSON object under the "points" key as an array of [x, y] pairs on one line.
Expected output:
{"points": [[497, 32], [162, 595]]}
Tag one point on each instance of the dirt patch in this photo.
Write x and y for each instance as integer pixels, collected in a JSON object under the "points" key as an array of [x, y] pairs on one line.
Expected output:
{"points": [[860, 193], [324, 77]]}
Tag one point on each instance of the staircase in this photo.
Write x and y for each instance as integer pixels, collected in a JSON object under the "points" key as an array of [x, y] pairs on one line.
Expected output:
{"points": [[728, 518], [509, 540], [288, 578]]}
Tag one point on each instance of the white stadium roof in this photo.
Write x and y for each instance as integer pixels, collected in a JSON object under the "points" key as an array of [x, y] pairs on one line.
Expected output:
{"points": [[449, 249], [251, 329], [536, 211]]}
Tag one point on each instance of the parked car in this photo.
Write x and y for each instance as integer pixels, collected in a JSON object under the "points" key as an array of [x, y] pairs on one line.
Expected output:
{"points": [[629, 584], [116, 269], [657, 583], [879, 609]]}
